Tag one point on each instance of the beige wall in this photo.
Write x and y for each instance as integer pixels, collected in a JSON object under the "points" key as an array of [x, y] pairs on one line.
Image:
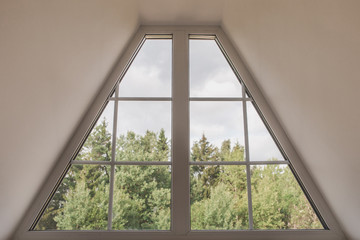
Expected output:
{"points": [[54, 56]]}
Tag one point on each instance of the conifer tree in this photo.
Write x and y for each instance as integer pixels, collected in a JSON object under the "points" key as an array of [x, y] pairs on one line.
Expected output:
{"points": [[142, 194]]}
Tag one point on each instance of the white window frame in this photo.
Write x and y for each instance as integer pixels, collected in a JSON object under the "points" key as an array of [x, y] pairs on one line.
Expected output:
{"points": [[180, 225]]}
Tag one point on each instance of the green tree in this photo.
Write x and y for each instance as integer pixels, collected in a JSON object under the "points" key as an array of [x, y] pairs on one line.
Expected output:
{"points": [[150, 147], [215, 212], [97, 147], [162, 147], [278, 200], [85, 206], [229, 154], [142, 194], [224, 204], [143, 190], [207, 176]]}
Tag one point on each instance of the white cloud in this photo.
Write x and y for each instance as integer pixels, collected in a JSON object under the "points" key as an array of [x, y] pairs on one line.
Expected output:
{"points": [[150, 75], [219, 121], [262, 146], [223, 83], [141, 116]]}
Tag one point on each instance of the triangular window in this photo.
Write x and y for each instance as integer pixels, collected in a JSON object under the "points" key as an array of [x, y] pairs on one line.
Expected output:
{"points": [[179, 145]]}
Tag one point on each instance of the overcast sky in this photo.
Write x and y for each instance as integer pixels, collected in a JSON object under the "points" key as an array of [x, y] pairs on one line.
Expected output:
{"points": [[210, 76]]}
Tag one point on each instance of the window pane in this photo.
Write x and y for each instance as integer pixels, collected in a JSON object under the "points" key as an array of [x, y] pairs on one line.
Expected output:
{"points": [[80, 202], [210, 73], [97, 146], [142, 198], [218, 197], [261, 144], [144, 130], [278, 201], [149, 75], [216, 131]]}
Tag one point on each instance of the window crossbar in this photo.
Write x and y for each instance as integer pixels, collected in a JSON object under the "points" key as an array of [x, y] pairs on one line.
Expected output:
{"points": [[240, 163], [120, 163]]}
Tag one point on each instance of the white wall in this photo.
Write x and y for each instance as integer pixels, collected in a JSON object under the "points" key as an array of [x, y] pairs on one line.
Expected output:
{"points": [[54, 56]]}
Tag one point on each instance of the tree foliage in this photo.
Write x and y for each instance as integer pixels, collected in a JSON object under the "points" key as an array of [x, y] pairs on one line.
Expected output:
{"points": [[142, 194]]}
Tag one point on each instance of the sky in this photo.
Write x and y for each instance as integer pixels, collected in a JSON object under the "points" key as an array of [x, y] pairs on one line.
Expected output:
{"points": [[210, 76]]}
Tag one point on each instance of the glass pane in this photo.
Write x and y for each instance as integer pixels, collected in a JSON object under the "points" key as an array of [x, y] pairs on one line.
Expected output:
{"points": [[144, 131], [261, 144], [218, 197], [149, 75], [142, 198], [80, 202], [216, 131], [210, 73], [278, 201], [97, 146]]}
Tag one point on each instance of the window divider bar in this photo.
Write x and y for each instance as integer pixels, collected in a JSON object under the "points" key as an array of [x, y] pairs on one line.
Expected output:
{"points": [[180, 214], [240, 163], [219, 99], [158, 36], [111, 196], [76, 162], [141, 99], [247, 159], [113, 155], [119, 163], [202, 36], [168, 163]]}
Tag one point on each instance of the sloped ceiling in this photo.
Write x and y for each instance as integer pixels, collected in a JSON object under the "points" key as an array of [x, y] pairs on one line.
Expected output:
{"points": [[54, 56]]}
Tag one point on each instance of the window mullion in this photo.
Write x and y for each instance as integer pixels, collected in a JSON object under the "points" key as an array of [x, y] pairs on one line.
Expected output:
{"points": [[113, 154], [180, 135], [247, 158]]}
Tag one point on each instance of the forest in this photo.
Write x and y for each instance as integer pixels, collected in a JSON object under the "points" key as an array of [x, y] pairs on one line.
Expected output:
{"points": [[142, 194]]}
